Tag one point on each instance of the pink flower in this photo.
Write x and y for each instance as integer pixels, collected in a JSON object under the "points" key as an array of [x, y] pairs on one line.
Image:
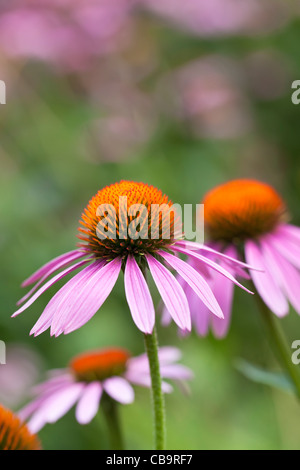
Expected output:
{"points": [[248, 219], [207, 96], [69, 34], [91, 376], [221, 17], [20, 371], [107, 250]]}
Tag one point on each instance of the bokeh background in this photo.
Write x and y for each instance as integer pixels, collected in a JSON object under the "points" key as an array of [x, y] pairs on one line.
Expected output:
{"points": [[183, 95]]}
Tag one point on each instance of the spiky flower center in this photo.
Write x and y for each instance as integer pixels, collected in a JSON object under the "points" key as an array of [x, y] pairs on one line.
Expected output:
{"points": [[242, 209], [15, 435], [99, 365], [127, 218]]}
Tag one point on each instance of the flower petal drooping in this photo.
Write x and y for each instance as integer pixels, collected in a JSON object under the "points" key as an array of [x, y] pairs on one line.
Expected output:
{"points": [[264, 282], [171, 293], [88, 403], [138, 297], [195, 281]]}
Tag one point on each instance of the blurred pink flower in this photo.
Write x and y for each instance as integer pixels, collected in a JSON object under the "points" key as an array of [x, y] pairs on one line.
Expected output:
{"points": [[222, 17], [18, 374], [90, 376], [66, 33], [207, 94], [125, 124]]}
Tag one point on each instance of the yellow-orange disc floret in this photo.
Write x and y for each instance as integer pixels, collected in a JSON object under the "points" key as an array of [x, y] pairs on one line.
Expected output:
{"points": [[99, 365], [15, 435], [242, 209], [127, 217]]}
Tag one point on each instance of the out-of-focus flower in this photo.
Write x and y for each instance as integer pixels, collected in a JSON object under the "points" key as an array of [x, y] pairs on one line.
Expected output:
{"points": [[68, 34], [93, 375], [247, 218], [222, 17], [15, 435], [134, 227], [126, 123], [18, 374], [207, 95]]}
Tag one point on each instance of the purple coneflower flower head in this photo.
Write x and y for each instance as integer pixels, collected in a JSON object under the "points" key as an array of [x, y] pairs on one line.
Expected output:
{"points": [[21, 370], [92, 375], [131, 227], [14, 434], [248, 219]]}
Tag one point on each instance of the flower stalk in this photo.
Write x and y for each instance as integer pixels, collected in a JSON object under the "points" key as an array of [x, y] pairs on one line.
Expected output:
{"points": [[158, 404], [280, 345], [111, 413]]}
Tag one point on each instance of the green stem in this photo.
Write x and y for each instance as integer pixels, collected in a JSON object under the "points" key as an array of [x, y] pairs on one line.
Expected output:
{"points": [[279, 342], [158, 404], [111, 413]]}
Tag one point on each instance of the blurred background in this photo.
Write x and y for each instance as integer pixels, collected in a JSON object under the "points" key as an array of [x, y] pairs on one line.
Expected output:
{"points": [[183, 95]]}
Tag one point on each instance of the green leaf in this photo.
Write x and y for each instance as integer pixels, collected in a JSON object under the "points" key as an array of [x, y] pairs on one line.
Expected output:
{"points": [[266, 377]]}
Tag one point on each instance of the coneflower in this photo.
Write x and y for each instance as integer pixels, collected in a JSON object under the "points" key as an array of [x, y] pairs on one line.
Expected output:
{"points": [[97, 379], [131, 227], [247, 219], [14, 434], [112, 243]]}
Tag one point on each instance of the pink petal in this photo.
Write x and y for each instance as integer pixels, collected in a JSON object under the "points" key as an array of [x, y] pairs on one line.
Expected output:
{"points": [[198, 246], [166, 318], [235, 270], [212, 264], [145, 381], [166, 355], [264, 282], [176, 372], [223, 289], [52, 383], [290, 231], [171, 293], [54, 310], [119, 389], [201, 315], [138, 297], [88, 403], [61, 402], [195, 281], [286, 275], [30, 408], [54, 304], [80, 306], [52, 265], [288, 249], [50, 408], [47, 285], [36, 422], [62, 264]]}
